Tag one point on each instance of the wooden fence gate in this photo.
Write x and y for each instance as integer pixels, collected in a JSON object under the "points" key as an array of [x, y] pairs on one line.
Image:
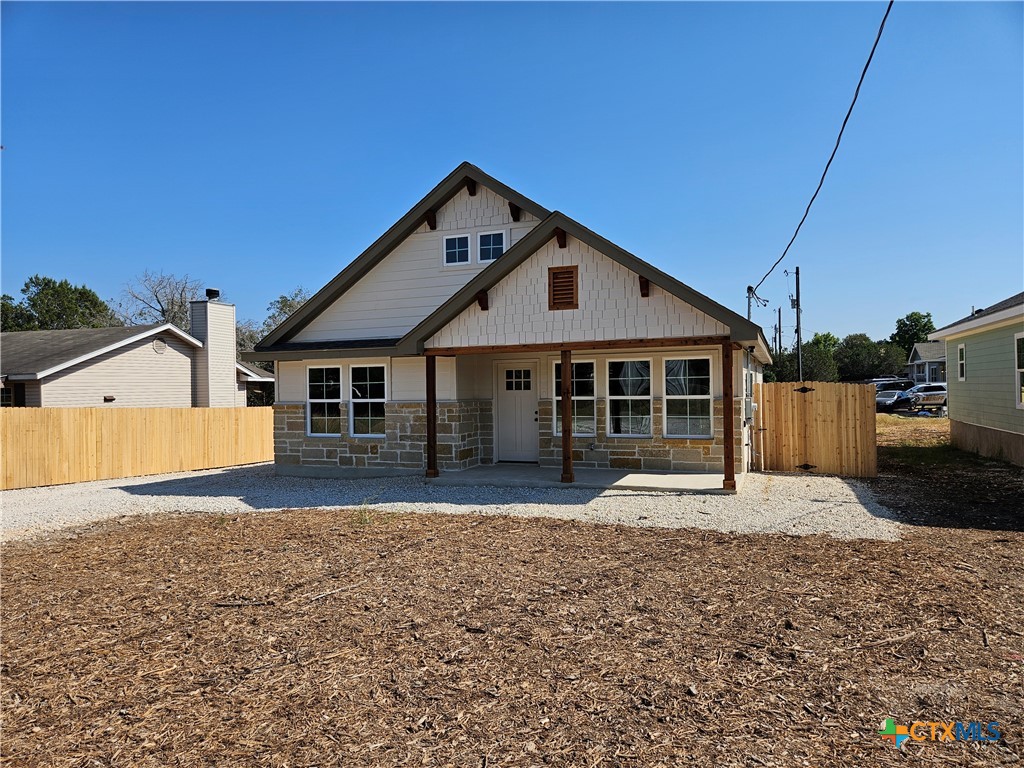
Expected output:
{"points": [[817, 427]]}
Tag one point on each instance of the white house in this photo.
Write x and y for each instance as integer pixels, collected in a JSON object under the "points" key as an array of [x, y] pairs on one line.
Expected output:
{"points": [[442, 347]]}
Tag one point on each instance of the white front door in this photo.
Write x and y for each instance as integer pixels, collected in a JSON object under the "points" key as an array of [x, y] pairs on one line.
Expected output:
{"points": [[517, 423]]}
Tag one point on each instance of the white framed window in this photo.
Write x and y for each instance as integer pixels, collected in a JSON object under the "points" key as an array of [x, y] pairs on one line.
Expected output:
{"points": [[688, 399], [1018, 361], [490, 245], [455, 250], [323, 400], [584, 404], [629, 398], [961, 362], [368, 384]]}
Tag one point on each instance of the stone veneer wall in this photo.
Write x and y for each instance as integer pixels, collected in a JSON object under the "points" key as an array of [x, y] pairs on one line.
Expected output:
{"points": [[643, 453], [465, 438]]}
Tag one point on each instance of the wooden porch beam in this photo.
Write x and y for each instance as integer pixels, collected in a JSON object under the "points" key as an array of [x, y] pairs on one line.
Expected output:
{"points": [[432, 417], [481, 300], [645, 287], [471, 187], [592, 346], [515, 210], [728, 420], [432, 219], [561, 237], [566, 406]]}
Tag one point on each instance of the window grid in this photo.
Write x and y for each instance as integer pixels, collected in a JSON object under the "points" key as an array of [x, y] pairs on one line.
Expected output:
{"points": [[688, 397], [491, 245], [584, 408], [456, 250], [629, 398], [368, 394], [323, 401], [518, 380]]}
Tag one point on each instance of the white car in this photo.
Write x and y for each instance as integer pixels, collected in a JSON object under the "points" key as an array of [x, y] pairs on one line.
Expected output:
{"points": [[929, 396]]}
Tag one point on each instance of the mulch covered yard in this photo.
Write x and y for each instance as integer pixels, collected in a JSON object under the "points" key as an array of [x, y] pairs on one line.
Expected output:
{"points": [[331, 639]]}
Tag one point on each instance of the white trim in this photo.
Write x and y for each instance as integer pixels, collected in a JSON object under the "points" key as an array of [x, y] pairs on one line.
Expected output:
{"points": [[250, 375], [710, 397], [1017, 373], [469, 251], [557, 397], [352, 401], [339, 401], [504, 244], [609, 397], [971, 324], [961, 363], [165, 328]]}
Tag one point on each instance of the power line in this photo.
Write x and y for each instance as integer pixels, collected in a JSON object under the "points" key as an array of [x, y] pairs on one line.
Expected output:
{"points": [[835, 149]]}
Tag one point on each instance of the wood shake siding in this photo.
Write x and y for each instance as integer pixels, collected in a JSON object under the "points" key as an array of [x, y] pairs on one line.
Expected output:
{"points": [[136, 375], [610, 306], [411, 282]]}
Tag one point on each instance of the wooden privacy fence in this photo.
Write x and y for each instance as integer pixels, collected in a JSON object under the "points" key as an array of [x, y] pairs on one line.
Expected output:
{"points": [[50, 446], [818, 427]]}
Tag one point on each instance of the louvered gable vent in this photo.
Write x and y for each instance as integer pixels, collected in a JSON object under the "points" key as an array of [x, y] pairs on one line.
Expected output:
{"points": [[563, 291]]}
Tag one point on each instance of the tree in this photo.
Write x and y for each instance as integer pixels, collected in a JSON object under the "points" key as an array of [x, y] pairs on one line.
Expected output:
{"points": [[858, 358], [819, 365], [248, 332], [154, 297], [828, 341], [49, 304], [911, 330]]}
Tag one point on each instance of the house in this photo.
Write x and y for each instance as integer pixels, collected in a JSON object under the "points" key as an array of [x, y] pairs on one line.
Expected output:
{"points": [[131, 366], [443, 346], [986, 388], [927, 362]]}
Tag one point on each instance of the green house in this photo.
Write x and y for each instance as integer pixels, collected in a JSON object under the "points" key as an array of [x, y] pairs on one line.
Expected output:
{"points": [[985, 355]]}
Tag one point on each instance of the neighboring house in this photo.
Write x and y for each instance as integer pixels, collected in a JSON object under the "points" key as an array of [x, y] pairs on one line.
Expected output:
{"points": [[986, 383], [927, 362], [131, 366], [441, 347]]}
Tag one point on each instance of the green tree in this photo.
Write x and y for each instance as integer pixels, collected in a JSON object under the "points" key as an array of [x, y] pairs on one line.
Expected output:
{"points": [[828, 341], [249, 332], [858, 358], [911, 330], [819, 363], [49, 304]]}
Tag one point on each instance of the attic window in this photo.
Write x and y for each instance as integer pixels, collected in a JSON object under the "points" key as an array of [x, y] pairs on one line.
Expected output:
{"points": [[563, 288]]}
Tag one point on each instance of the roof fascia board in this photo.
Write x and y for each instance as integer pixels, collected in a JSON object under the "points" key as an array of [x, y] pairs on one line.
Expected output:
{"points": [[740, 329], [250, 375], [165, 328], [320, 354], [1003, 317], [386, 243]]}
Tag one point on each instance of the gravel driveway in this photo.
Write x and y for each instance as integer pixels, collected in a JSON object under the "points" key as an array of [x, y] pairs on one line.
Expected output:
{"points": [[768, 503]]}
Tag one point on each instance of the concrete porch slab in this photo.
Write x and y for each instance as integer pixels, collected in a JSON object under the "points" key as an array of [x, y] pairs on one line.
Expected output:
{"points": [[506, 475]]}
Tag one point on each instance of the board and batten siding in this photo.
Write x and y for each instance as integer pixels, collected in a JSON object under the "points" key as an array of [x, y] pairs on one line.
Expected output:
{"points": [[610, 306], [412, 281], [987, 397], [136, 375], [406, 378]]}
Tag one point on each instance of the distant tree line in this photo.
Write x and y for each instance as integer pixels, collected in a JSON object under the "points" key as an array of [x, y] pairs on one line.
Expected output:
{"points": [[854, 358]]}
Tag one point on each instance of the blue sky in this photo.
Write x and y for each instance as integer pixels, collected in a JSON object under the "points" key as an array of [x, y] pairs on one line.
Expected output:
{"points": [[263, 146]]}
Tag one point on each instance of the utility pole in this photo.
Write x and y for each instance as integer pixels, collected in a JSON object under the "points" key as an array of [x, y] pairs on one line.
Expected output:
{"points": [[799, 337], [750, 298], [780, 331]]}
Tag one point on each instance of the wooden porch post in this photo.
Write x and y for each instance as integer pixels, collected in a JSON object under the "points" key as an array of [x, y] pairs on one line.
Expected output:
{"points": [[728, 420], [432, 416], [566, 404]]}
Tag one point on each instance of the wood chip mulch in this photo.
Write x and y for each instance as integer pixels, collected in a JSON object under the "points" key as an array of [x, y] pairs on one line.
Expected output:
{"points": [[312, 638]]}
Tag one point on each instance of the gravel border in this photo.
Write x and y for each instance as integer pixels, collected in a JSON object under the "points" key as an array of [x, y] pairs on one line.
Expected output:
{"points": [[768, 503]]}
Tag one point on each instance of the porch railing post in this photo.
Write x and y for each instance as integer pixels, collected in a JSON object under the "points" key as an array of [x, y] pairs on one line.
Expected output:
{"points": [[432, 416], [728, 420], [566, 405]]}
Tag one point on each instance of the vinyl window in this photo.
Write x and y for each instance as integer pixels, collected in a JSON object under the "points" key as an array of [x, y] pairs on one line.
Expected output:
{"points": [[456, 250], [629, 398], [323, 396], [688, 405], [584, 408], [961, 362], [1018, 384], [6, 397], [368, 395], [490, 245]]}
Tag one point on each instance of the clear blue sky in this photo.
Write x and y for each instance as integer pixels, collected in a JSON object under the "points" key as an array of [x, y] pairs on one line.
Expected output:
{"points": [[263, 146]]}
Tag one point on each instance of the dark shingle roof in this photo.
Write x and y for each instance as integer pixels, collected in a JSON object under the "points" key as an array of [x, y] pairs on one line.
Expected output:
{"points": [[1013, 301], [254, 371], [929, 351], [30, 352]]}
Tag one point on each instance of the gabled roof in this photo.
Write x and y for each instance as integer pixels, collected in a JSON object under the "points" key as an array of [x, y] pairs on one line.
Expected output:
{"points": [[998, 312], [34, 355], [740, 329], [253, 373], [927, 352], [386, 243]]}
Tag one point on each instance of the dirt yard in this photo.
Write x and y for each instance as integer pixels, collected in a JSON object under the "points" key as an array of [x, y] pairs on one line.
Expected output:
{"points": [[315, 638]]}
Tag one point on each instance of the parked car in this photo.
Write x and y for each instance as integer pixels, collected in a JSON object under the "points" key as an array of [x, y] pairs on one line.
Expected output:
{"points": [[890, 383], [929, 396], [889, 400]]}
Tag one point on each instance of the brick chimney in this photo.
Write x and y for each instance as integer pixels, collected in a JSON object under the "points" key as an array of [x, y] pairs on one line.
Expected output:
{"points": [[214, 377]]}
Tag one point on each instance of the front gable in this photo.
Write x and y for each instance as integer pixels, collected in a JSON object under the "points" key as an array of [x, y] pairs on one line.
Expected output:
{"points": [[413, 280], [610, 306]]}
